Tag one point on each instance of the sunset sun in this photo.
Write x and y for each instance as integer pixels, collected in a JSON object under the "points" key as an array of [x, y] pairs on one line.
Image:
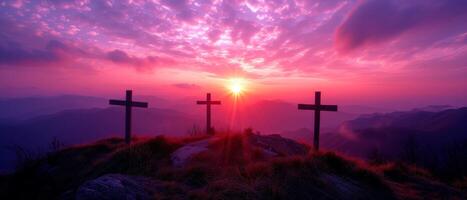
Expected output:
{"points": [[236, 86]]}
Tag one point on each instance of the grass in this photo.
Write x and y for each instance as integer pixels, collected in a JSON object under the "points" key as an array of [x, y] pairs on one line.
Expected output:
{"points": [[234, 169], [52, 174], [231, 169], [141, 158], [402, 172]]}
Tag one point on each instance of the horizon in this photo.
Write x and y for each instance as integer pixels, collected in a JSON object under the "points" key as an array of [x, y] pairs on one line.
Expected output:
{"points": [[384, 107]]}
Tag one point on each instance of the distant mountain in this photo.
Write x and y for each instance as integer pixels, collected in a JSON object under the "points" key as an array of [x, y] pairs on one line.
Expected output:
{"points": [[269, 116], [30, 107], [84, 125], [434, 108], [264, 115], [359, 109], [17, 109], [277, 116], [443, 122], [431, 139]]}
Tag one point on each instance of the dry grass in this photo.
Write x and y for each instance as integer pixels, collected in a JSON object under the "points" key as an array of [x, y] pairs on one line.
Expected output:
{"points": [[60, 171], [232, 169], [401, 172]]}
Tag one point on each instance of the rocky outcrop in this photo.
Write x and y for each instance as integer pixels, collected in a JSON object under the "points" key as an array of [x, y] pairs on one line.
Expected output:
{"points": [[183, 154], [271, 145], [116, 187], [278, 145]]}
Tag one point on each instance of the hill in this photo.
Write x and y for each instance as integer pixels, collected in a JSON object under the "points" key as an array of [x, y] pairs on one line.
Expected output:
{"points": [[31, 107], [85, 125], [227, 166], [24, 108], [436, 140]]}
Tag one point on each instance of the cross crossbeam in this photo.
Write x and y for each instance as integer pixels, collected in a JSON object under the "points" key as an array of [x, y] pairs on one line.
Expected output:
{"points": [[132, 104], [128, 103], [317, 107], [208, 104]]}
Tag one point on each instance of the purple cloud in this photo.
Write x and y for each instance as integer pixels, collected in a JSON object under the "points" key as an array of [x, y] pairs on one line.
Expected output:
{"points": [[377, 21], [254, 39], [121, 57], [182, 8], [55, 52], [187, 86]]}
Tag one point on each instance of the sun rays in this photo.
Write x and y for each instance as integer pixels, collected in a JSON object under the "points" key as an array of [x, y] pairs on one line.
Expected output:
{"points": [[236, 86]]}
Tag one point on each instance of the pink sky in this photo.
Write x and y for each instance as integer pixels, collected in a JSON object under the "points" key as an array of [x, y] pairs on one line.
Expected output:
{"points": [[380, 52]]}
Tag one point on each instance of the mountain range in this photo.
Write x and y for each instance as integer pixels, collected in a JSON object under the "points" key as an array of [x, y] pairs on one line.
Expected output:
{"points": [[356, 130], [72, 127]]}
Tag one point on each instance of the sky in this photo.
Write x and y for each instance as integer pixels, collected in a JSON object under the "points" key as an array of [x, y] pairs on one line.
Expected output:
{"points": [[371, 52]]}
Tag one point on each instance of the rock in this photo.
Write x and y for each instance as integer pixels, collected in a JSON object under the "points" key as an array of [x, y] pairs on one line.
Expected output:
{"points": [[278, 145], [116, 187], [272, 145], [183, 154]]}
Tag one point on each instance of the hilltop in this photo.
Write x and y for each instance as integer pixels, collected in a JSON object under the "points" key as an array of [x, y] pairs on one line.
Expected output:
{"points": [[226, 166]]}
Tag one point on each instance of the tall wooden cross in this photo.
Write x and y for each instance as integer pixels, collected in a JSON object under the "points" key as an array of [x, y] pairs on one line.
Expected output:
{"points": [[128, 103], [318, 107], [208, 103]]}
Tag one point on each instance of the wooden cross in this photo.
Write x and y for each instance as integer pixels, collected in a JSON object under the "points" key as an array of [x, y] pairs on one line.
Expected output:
{"points": [[317, 108], [128, 103], [208, 103]]}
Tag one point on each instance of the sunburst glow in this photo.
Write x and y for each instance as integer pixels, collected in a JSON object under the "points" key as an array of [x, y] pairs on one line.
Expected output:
{"points": [[236, 86]]}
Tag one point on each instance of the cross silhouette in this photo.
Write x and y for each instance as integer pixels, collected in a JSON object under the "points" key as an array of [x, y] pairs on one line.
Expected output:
{"points": [[317, 108], [208, 104], [128, 103]]}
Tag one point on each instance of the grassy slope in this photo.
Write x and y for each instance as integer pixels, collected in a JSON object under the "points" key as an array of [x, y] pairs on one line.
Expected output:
{"points": [[232, 169]]}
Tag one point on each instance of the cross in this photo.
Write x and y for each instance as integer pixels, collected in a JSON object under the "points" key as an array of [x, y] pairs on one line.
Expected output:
{"points": [[208, 103], [317, 108], [128, 103]]}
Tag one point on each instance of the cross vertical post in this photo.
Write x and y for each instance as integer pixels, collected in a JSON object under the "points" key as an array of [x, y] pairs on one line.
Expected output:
{"points": [[208, 114], [128, 103], [128, 116], [317, 107], [317, 121], [208, 104]]}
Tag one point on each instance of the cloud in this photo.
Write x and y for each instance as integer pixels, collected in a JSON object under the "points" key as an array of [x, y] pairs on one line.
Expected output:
{"points": [[244, 30], [118, 56], [58, 53], [378, 21], [187, 86], [148, 62], [55, 52], [182, 8], [223, 38]]}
